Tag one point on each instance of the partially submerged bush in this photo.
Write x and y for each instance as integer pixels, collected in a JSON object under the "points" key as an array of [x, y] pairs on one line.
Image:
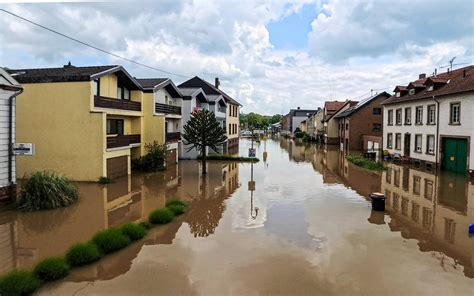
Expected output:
{"points": [[154, 160], [133, 231], [82, 254], [110, 240], [362, 162], [176, 201], [51, 269], [19, 282], [177, 209], [145, 224], [104, 180], [46, 190], [161, 216]]}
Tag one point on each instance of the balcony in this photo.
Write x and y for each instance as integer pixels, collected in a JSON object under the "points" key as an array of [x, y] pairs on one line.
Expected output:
{"points": [[122, 141], [110, 103], [173, 137], [167, 109]]}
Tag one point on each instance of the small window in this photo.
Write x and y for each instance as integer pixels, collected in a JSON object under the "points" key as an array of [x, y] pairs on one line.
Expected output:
{"points": [[408, 116], [455, 113], [126, 94], [377, 111], [430, 88], [397, 94], [390, 117], [376, 127], [347, 126], [418, 143], [429, 189], [419, 115], [119, 93], [114, 126], [398, 115], [431, 119], [430, 142], [389, 140], [97, 87], [398, 141], [416, 185], [411, 91]]}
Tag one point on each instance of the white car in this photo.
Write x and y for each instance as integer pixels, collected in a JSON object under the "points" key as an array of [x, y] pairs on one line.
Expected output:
{"points": [[246, 134]]}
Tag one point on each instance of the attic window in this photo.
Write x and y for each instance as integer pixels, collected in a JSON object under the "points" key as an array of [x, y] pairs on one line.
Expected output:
{"points": [[397, 94], [411, 91], [430, 88]]}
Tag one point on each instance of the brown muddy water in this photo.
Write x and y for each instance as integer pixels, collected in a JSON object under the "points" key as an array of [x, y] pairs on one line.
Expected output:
{"points": [[303, 226]]}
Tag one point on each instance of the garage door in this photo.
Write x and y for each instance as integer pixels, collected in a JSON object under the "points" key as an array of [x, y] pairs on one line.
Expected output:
{"points": [[117, 167], [171, 157], [455, 155]]}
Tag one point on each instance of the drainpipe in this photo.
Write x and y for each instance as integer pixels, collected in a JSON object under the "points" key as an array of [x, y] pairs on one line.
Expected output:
{"points": [[437, 134], [10, 137]]}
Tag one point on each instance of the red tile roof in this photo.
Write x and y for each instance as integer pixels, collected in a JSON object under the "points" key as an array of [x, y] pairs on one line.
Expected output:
{"points": [[333, 106]]}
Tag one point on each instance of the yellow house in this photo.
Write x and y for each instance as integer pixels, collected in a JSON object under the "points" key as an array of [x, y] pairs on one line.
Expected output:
{"points": [[85, 122]]}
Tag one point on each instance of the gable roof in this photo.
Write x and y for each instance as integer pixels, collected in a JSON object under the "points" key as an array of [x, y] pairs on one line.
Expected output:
{"points": [[332, 106], [348, 102], [7, 82], [301, 112], [153, 84], [189, 93], [208, 88], [349, 111], [453, 82], [70, 73], [150, 83]]}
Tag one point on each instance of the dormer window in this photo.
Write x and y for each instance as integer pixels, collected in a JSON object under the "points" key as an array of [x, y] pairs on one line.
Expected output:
{"points": [[430, 88], [411, 91], [397, 94]]}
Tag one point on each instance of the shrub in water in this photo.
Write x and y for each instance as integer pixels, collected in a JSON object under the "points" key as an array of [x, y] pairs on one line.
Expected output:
{"points": [[104, 180], [177, 209], [82, 254], [176, 202], [145, 224], [51, 269], [19, 282], [133, 231], [46, 190], [110, 240], [161, 216], [154, 160]]}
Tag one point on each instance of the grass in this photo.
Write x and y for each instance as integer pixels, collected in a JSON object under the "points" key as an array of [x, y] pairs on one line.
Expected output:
{"points": [[110, 240], [82, 254], [19, 282], [104, 180], [231, 158], [362, 162], [133, 231], [46, 190], [51, 269], [161, 216]]}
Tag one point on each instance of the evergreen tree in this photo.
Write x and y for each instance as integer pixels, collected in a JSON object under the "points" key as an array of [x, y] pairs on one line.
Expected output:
{"points": [[202, 131]]}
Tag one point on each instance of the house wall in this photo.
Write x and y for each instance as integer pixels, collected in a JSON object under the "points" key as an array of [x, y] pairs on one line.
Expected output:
{"points": [[295, 121], [108, 86], [70, 139], [332, 127], [233, 138], [154, 125]]}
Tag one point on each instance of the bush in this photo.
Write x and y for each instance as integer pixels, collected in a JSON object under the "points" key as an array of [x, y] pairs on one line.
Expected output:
{"points": [[362, 162], [19, 282], [82, 254], [46, 190], [51, 269], [161, 216], [177, 209], [176, 201], [110, 240], [104, 180], [133, 231], [154, 160], [145, 224]]}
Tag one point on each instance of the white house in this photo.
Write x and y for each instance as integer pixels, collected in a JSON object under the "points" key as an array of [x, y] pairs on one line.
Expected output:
{"points": [[9, 89], [430, 121]]}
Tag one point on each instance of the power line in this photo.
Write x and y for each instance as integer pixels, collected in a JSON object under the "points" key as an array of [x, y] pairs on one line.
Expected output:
{"points": [[90, 45]]}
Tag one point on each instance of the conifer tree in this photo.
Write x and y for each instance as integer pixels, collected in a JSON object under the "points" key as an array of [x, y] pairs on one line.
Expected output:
{"points": [[202, 131]]}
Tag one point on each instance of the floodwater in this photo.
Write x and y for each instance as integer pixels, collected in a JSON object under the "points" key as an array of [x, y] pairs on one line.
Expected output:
{"points": [[296, 223]]}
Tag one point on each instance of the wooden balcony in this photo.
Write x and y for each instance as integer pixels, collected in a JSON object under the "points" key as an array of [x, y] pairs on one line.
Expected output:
{"points": [[173, 137], [122, 141], [167, 109], [110, 103]]}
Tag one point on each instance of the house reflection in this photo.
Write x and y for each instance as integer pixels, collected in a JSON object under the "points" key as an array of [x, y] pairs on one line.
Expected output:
{"points": [[434, 209]]}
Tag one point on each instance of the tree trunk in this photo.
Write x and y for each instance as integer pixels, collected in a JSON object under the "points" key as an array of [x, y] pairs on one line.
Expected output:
{"points": [[203, 161]]}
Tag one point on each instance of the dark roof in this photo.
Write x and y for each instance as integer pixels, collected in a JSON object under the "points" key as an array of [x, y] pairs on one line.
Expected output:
{"points": [[150, 83], [70, 73], [208, 88], [361, 104], [453, 82], [301, 112]]}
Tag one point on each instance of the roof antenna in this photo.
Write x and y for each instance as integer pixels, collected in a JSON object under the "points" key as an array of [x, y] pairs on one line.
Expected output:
{"points": [[451, 64]]}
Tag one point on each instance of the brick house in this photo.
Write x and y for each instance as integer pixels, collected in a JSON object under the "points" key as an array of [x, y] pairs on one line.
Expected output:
{"points": [[360, 126], [331, 123]]}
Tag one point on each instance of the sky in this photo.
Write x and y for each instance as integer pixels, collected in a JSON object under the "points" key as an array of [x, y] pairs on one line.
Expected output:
{"points": [[269, 55]]}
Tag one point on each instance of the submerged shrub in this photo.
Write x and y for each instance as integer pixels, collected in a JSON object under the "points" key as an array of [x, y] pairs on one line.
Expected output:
{"points": [[161, 216], [145, 224], [104, 180], [365, 163], [176, 202], [51, 269], [19, 282], [82, 254], [133, 231], [154, 160], [110, 240], [46, 190], [177, 209]]}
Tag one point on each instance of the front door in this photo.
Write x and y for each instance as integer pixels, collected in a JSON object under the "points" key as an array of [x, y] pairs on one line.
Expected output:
{"points": [[455, 155], [406, 145]]}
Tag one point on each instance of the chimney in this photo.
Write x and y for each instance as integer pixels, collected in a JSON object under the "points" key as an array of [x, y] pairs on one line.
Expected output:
{"points": [[436, 72], [217, 83], [422, 75], [464, 73], [69, 65], [298, 108]]}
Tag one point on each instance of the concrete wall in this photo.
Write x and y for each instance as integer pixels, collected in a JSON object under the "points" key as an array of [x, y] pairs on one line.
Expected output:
{"points": [[154, 125]]}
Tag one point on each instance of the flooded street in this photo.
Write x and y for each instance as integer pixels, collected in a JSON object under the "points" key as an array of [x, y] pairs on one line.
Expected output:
{"points": [[296, 223]]}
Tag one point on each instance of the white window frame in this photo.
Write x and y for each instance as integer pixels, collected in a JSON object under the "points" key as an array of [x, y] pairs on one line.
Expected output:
{"points": [[430, 150], [418, 143], [452, 114]]}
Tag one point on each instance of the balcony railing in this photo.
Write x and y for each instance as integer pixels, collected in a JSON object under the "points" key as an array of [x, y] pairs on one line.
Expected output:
{"points": [[122, 141], [173, 137], [167, 109], [110, 103]]}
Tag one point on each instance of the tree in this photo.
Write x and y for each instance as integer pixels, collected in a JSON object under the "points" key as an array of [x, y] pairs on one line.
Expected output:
{"points": [[202, 131], [275, 118]]}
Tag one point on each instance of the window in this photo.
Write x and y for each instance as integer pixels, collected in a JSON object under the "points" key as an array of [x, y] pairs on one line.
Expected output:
{"points": [[376, 127], [427, 218], [114, 126], [416, 185], [430, 142], [397, 94], [429, 189], [398, 117], [390, 117], [408, 116], [395, 200], [418, 143], [415, 212], [230, 128], [388, 176], [398, 141], [347, 126], [123, 93], [449, 230], [396, 177], [119, 92], [419, 115], [97, 87], [405, 203], [430, 88], [411, 91], [377, 111], [389, 140], [455, 113], [431, 119]]}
